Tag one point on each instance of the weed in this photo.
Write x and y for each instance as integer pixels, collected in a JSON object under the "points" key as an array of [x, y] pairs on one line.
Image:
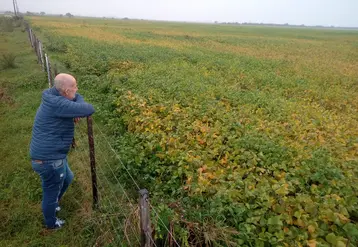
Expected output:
{"points": [[8, 60]]}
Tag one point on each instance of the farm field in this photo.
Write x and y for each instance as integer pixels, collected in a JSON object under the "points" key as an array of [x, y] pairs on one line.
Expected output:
{"points": [[244, 136]]}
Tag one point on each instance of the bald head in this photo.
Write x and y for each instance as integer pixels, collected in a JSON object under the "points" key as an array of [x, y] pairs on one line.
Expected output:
{"points": [[63, 81], [66, 84]]}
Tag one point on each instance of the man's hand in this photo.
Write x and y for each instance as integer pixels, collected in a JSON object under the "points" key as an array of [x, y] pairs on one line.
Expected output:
{"points": [[76, 120]]}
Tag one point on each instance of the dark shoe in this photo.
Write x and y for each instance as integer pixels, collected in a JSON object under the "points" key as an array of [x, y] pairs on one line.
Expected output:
{"points": [[58, 224]]}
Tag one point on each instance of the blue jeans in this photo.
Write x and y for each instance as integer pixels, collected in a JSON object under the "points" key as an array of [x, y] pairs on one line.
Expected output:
{"points": [[56, 176]]}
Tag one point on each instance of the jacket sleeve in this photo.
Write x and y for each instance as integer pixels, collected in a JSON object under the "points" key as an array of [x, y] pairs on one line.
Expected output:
{"points": [[79, 98], [70, 109]]}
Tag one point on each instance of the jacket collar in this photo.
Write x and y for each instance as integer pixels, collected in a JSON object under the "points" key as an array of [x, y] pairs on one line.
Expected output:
{"points": [[54, 91]]}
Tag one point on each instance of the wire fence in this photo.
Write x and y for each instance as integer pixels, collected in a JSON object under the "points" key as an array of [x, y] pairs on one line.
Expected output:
{"points": [[122, 219]]}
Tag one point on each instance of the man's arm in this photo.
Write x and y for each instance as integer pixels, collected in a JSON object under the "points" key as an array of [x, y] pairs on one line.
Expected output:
{"points": [[79, 98], [70, 109]]}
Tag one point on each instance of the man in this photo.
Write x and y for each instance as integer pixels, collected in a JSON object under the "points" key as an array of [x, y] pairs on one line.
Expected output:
{"points": [[52, 136]]}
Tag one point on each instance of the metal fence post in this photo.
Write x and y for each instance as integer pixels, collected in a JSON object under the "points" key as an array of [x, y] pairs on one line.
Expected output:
{"points": [[92, 161], [145, 227]]}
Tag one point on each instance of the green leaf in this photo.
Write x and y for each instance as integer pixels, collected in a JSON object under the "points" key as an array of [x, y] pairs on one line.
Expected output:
{"points": [[331, 238], [351, 230], [297, 214], [275, 221], [259, 243]]}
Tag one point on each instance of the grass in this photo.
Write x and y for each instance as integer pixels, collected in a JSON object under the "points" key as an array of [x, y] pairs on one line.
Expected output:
{"points": [[20, 188]]}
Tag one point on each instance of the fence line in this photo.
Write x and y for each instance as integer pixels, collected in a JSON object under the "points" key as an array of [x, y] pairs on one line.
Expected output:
{"points": [[112, 208], [120, 185], [144, 204], [147, 200]]}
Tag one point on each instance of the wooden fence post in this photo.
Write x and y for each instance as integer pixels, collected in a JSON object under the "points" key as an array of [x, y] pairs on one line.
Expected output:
{"points": [[37, 50], [41, 55], [55, 71], [49, 74], [29, 33], [170, 235], [145, 227], [92, 161], [35, 43], [31, 37]]}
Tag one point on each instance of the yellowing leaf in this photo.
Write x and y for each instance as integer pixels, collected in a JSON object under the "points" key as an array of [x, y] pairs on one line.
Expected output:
{"points": [[312, 243], [283, 190], [340, 244], [342, 218], [311, 229]]}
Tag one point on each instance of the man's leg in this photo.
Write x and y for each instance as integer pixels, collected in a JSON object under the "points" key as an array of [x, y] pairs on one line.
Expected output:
{"points": [[68, 179], [52, 176]]}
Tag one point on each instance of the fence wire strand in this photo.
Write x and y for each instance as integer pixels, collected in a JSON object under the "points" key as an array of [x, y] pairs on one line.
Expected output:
{"points": [[100, 169], [166, 228], [119, 159], [152, 207], [99, 188]]}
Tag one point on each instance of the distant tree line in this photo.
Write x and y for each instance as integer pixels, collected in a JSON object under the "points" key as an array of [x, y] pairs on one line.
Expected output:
{"points": [[269, 24], [42, 13]]}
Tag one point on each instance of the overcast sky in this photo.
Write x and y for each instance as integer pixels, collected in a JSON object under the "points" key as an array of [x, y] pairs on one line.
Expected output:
{"points": [[308, 12]]}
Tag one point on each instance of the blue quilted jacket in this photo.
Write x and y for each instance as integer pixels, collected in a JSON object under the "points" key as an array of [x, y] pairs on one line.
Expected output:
{"points": [[53, 128]]}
